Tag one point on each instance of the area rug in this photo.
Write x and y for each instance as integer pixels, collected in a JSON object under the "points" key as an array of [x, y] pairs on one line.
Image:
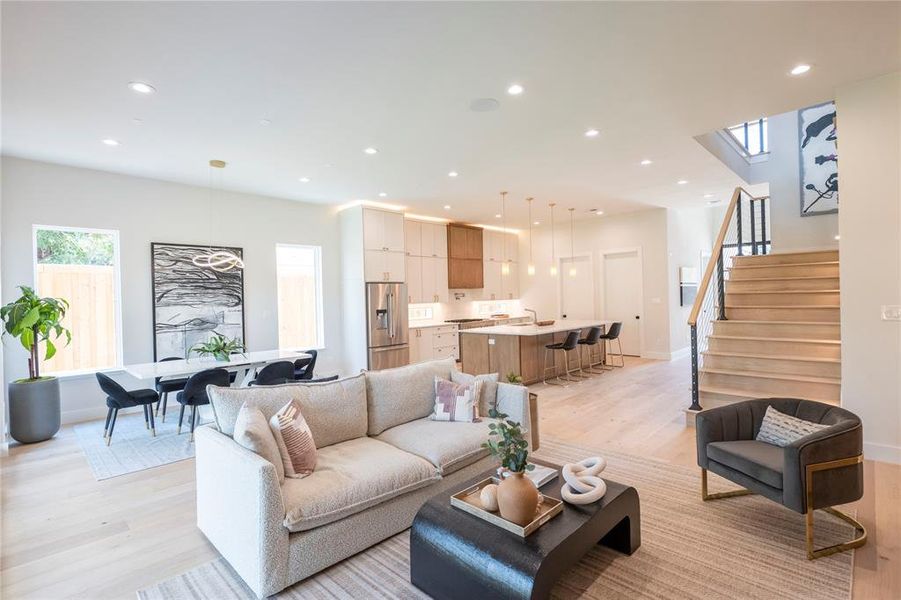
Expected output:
{"points": [[133, 448], [745, 547]]}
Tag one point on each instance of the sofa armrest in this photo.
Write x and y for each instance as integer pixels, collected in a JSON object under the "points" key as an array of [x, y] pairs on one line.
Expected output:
{"points": [[240, 510], [843, 440], [708, 428], [513, 400]]}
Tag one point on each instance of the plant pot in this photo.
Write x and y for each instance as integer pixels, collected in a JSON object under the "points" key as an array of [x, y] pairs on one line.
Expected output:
{"points": [[517, 499], [33, 409]]}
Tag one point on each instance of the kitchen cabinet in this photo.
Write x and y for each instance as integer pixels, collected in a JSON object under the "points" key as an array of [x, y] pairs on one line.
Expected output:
{"points": [[464, 257], [383, 230], [430, 343], [434, 240], [383, 265], [493, 281], [414, 279], [413, 238], [500, 246], [426, 279]]}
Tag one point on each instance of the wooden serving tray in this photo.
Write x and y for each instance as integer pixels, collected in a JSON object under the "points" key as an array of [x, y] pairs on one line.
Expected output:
{"points": [[468, 500], [545, 323]]}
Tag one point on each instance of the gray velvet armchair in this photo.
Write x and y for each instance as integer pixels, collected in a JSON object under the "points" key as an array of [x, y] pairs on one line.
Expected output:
{"points": [[818, 471]]}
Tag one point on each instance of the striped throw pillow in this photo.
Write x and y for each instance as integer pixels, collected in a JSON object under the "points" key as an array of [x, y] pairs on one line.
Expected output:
{"points": [[455, 401], [781, 430], [295, 441]]}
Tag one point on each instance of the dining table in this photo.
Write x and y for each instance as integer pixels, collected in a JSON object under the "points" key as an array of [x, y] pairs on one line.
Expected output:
{"points": [[244, 365]]}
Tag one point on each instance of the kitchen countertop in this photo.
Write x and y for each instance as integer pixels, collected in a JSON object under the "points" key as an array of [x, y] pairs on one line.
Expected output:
{"points": [[529, 330], [421, 324]]}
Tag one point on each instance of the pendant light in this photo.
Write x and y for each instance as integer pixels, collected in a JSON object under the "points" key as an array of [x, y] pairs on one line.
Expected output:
{"points": [[221, 260], [505, 266], [553, 243], [531, 264], [572, 253]]}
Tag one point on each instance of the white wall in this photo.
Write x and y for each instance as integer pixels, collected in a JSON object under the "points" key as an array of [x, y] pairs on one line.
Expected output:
{"points": [[145, 211], [688, 234], [645, 229], [870, 223]]}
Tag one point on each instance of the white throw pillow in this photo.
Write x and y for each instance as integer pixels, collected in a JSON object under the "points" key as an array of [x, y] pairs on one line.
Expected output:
{"points": [[295, 441], [456, 401], [781, 430], [488, 395], [252, 432]]}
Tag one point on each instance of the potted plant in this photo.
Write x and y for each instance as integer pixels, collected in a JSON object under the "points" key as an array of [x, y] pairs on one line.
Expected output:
{"points": [[513, 378], [517, 496], [34, 402], [218, 346]]}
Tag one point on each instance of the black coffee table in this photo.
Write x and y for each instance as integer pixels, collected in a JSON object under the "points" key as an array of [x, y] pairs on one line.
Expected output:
{"points": [[454, 554]]}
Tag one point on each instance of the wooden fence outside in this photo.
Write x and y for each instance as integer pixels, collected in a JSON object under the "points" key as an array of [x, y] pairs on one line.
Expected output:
{"points": [[297, 308]]}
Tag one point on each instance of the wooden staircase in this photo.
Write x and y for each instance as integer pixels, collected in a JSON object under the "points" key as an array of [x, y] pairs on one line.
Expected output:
{"points": [[781, 335]]}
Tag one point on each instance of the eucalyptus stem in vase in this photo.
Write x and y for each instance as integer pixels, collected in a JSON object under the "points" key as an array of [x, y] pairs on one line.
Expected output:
{"points": [[517, 496]]}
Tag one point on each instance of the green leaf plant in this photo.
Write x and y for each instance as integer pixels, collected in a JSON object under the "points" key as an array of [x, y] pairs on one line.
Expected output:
{"points": [[35, 320], [507, 442], [218, 346]]}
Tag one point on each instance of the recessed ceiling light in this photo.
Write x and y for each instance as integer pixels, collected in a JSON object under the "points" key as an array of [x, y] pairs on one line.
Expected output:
{"points": [[646, 162], [141, 87], [515, 89], [304, 180], [800, 69], [447, 207], [265, 122], [111, 142], [137, 121], [497, 216], [838, 237], [708, 195], [537, 223], [370, 150], [599, 213], [452, 174], [382, 194], [713, 202], [592, 133], [682, 181]]}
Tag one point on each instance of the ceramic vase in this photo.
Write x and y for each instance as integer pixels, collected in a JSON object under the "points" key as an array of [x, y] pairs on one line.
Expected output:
{"points": [[517, 499]]}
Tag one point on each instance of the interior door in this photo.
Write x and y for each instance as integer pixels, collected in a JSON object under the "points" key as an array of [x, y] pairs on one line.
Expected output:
{"points": [[576, 290], [622, 297]]}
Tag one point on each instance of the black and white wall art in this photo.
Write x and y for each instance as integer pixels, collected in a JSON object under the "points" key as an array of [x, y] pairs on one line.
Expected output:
{"points": [[819, 159], [191, 303]]}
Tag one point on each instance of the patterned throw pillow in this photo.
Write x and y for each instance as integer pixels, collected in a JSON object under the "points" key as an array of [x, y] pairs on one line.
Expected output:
{"points": [[455, 401], [295, 442], [781, 430], [488, 395], [252, 431]]}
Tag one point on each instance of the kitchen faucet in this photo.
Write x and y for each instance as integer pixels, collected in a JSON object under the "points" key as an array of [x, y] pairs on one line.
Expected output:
{"points": [[534, 314]]}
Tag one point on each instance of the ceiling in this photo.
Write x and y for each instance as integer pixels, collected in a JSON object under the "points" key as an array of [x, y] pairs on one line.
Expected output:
{"points": [[335, 78]]}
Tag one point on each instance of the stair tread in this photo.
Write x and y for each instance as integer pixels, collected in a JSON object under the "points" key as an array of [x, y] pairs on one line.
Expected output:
{"points": [[777, 265], [781, 291], [773, 356], [727, 391], [744, 321], [772, 339], [768, 375], [793, 306], [786, 278]]}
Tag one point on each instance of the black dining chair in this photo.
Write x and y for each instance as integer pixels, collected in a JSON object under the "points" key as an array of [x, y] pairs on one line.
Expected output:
{"points": [[322, 379], [613, 336], [195, 395], [303, 367], [588, 344], [275, 373], [566, 346], [117, 398], [165, 386]]}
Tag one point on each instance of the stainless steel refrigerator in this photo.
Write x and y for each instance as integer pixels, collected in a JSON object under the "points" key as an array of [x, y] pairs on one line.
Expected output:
{"points": [[387, 328]]}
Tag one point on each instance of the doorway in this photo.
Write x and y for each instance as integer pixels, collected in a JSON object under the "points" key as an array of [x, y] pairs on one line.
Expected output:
{"points": [[623, 295], [576, 288]]}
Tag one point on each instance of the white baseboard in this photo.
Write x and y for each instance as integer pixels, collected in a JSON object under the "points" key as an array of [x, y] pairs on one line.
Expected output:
{"points": [[882, 453]]}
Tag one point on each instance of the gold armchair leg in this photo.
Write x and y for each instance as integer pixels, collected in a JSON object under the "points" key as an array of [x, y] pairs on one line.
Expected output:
{"points": [[857, 542], [719, 496]]}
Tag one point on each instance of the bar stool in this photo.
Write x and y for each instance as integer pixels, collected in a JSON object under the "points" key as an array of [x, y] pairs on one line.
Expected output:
{"points": [[611, 336], [591, 342], [572, 340]]}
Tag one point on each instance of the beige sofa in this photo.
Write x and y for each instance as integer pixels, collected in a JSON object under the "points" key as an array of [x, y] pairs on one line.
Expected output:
{"points": [[379, 459]]}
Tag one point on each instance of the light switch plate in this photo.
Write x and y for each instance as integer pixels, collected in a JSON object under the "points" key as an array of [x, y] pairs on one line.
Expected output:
{"points": [[891, 312]]}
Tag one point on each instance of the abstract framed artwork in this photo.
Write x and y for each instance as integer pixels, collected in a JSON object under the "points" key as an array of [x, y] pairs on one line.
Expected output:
{"points": [[192, 303], [819, 159]]}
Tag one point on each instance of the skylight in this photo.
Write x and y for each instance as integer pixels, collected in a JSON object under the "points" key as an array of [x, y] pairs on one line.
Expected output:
{"points": [[751, 136]]}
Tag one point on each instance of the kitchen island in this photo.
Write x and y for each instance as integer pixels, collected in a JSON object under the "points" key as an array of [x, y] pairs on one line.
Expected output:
{"points": [[520, 348]]}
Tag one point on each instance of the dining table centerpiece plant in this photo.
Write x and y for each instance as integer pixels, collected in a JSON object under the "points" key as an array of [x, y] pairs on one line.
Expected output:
{"points": [[517, 496], [34, 406], [219, 347]]}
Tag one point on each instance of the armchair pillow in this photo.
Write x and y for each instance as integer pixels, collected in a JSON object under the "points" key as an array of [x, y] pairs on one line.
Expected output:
{"points": [[295, 442], [488, 395], [455, 401], [252, 431], [781, 430]]}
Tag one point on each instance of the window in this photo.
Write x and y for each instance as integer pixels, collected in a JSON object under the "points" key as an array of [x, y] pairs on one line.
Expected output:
{"points": [[299, 274], [82, 267], [751, 136]]}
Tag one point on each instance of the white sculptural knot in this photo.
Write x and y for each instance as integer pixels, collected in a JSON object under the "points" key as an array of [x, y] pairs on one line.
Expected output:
{"points": [[583, 486]]}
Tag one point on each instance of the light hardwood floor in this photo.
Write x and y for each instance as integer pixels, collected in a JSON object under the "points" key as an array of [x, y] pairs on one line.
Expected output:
{"points": [[65, 535]]}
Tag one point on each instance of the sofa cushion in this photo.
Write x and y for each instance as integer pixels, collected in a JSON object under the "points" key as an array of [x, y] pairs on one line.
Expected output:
{"points": [[447, 445], [404, 394], [335, 410], [350, 477], [758, 460], [488, 394], [252, 432]]}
